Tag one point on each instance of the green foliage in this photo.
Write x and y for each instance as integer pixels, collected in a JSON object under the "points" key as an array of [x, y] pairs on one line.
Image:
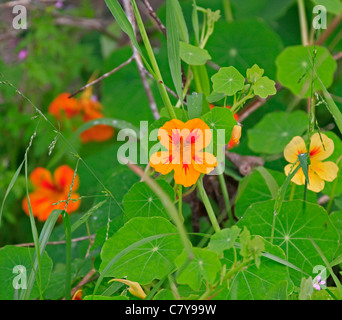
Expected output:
{"points": [[294, 69], [275, 131], [138, 264]]}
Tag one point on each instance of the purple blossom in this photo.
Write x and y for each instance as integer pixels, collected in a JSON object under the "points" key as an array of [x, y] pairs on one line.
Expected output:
{"points": [[59, 4], [317, 285], [22, 55]]}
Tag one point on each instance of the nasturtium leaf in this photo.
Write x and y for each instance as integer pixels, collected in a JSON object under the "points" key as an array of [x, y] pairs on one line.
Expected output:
{"points": [[146, 261], [121, 176], [215, 96], [220, 119], [278, 291], [336, 220], [224, 239], [254, 73], [204, 266], [332, 6], [294, 224], [244, 43], [228, 80], [254, 283], [16, 264], [141, 201], [275, 131], [264, 87], [256, 190], [193, 55], [294, 69]]}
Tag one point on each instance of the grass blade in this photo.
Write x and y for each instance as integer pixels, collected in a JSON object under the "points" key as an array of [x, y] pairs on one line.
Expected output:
{"points": [[10, 186], [270, 181], [173, 46]]}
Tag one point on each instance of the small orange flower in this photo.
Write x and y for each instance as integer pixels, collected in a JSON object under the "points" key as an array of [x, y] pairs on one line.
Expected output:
{"points": [[184, 142], [92, 110], [318, 171], [51, 189], [63, 106], [78, 295], [235, 138], [88, 108]]}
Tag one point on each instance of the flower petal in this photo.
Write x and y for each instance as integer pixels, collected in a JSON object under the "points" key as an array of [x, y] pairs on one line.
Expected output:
{"points": [[316, 184], [204, 162], [186, 175], [200, 133], [165, 132], [161, 162], [319, 150], [325, 170], [42, 178], [295, 147], [41, 204], [298, 178], [63, 177], [62, 105]]}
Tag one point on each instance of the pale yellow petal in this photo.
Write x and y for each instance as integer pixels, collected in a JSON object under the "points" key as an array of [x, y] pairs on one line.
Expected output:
{"points": [[298, 178], [321, 149], [295, 147], [316, 184], [325, 170]]}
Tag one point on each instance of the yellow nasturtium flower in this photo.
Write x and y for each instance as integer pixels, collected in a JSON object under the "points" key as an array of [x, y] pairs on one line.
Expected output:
{"points": [[133, 287], [318, 171], [184, 143]]}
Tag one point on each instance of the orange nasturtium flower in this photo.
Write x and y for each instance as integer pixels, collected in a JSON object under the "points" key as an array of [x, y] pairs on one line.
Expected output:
{"points": [[92, 110], [184, 143], [63, 106], [50, 189], [88, 108], [318, 171]]}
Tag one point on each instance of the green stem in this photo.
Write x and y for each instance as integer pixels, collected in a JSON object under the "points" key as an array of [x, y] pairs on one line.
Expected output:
{"points": [[228, 10], [238, 103], [160, 83], [235, 270], [180, 202], [303, 23], [207, 205], [67, 230], [292, 191], [226, 198]]}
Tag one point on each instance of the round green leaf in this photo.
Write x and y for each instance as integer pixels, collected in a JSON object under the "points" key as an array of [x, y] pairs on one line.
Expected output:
{"points": [[205, 265], [224, 239], [294, 69], [192, 55], [141, 201], [148, 261], [253, 188], [254, 283], [244, 43], [332, 6], [275, 131], [220, 119], [228, 81], [264, 87], [294, 224], [12, 256]]}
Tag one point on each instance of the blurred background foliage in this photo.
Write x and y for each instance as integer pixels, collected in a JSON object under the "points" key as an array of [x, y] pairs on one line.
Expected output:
{"points": [[66, 46]]}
